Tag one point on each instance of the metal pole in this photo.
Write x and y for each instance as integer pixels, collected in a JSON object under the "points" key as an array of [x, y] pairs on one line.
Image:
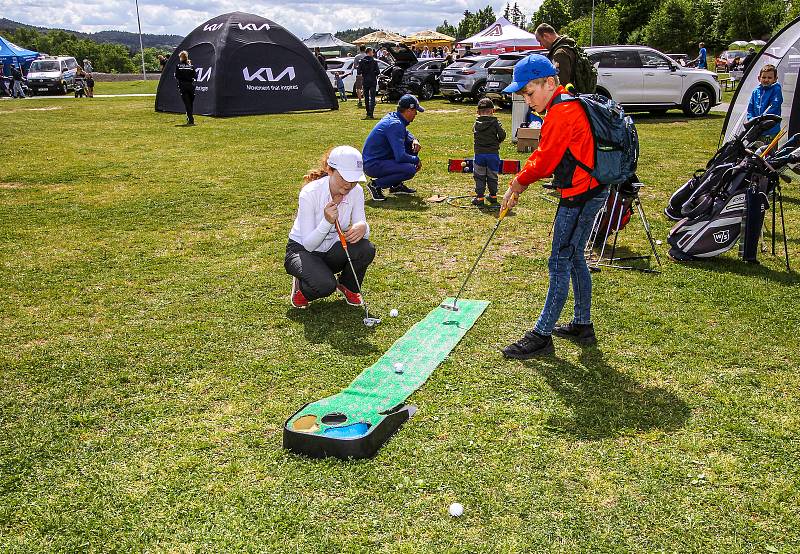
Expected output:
{"points": [[141, 46], [591, 38]]}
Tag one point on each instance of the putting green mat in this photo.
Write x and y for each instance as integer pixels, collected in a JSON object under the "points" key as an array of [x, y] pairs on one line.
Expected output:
{"points": [[386, 384]]}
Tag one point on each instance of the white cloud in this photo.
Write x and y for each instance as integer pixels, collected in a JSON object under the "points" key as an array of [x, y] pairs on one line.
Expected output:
{"points": [[301, 18]]}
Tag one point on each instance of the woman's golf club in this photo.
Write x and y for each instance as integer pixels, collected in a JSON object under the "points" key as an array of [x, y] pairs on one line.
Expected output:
{"points": [[453, 307], [368, 321]]}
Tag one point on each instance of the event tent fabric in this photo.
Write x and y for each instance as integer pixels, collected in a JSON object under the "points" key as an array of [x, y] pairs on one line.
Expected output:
{"points": [[11, 53], [247, 65], [429, 38], [501, 33], [782, 51], [378, 37], [325, 41]]}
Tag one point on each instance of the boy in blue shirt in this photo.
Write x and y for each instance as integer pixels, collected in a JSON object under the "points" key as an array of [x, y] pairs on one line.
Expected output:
{"points": [[340, 85], [766, 99]]}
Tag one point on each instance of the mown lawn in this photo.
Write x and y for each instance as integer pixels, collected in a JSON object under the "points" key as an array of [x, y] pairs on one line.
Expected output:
{"points": [[149, 356]]}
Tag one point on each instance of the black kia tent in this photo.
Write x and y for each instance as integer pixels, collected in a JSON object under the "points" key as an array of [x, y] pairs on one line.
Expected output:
{"points": [[247, 65]]}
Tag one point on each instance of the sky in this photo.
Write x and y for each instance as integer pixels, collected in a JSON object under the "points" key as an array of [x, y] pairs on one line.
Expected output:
{"points": [[300, 17]]}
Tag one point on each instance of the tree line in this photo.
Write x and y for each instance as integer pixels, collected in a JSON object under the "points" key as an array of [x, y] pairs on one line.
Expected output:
{"points": [[668, 25], [105, 57]]}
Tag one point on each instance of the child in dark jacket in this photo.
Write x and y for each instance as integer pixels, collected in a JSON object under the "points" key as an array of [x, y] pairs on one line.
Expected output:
{"points": [[767, 98], [488, 134], [340, 85]]}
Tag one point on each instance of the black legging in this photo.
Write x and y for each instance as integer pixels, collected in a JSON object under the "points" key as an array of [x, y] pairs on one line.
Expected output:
{"points": [[317, 270], [187, 95], [369, 97]]}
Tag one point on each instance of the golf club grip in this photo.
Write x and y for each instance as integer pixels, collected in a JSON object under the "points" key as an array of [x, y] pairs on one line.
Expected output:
{"points": [[341, 235], [504, 211]]}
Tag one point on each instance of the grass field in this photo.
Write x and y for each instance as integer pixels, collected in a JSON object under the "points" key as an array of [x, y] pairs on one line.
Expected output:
{"points": [[149, 355]]}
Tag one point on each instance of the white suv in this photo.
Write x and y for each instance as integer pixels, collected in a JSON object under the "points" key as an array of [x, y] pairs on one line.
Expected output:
{"points": [[644, 79]]}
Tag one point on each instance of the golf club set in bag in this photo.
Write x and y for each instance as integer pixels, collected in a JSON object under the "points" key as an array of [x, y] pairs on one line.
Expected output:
{"points": [[729, 198]]}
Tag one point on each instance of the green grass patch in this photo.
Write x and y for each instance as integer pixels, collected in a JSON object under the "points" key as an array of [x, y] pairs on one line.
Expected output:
{"points": [[149, 355]]}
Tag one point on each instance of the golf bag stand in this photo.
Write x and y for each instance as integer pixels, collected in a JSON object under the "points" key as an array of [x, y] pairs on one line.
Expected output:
{"points": [[612, 218], [777, 200]]}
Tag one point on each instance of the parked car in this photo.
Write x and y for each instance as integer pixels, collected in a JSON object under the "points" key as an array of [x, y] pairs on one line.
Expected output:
{"points": [[53, 74], [345, 65], [499, 77], [726, 57], [391, 83], [422, 78], [644, 79], [466, 78]]}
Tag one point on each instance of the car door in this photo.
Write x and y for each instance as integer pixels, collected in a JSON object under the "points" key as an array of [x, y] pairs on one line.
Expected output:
{"points": [[620, 73], [662, 84]]}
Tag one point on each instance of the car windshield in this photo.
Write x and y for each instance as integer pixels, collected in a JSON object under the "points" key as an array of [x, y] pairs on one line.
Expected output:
{"points": [[736, 54], [335, 64], [460, 65], [44, 66], [505, 62]]}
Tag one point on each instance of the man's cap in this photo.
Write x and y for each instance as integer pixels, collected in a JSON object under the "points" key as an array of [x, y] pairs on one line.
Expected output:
{"points": [[409, 101], [348, 162], [485, 104], [533, 67]]}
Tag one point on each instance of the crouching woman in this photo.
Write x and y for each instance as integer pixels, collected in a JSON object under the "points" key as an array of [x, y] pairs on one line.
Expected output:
{"points": [[314, 254]]}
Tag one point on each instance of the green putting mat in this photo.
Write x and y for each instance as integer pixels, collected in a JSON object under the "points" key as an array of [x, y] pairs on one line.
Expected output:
{"points": [[380, 390]]}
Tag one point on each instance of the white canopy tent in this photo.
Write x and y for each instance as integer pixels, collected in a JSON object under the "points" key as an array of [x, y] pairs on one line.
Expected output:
{"points": [[502, 34], [782, 51]]}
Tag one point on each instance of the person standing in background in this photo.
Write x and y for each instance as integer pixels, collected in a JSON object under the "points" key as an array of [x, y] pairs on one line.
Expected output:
{"points": [[185, 75]]}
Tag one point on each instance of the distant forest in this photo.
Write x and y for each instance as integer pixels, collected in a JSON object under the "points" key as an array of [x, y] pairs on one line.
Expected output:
{"points": [[130, 40]]}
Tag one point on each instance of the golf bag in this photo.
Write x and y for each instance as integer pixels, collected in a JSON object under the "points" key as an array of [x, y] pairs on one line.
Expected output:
{"points": [[715, 215], [730, 154]]}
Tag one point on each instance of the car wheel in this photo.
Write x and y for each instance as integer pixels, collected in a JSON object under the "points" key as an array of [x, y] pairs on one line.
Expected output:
{"points": [[697, 102], [64, 89], [427, 91], [479, 91], [603, 92]]}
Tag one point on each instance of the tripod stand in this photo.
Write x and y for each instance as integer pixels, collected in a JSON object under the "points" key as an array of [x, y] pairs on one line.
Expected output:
{"points": [[612, 218]]}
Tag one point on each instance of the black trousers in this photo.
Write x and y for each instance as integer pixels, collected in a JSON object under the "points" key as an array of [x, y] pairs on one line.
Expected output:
{"points": [[187, 95], [369, 97], [317, 270]]}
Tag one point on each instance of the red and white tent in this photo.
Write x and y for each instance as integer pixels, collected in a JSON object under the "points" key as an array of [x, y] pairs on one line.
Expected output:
{"points": [[501, 36]]}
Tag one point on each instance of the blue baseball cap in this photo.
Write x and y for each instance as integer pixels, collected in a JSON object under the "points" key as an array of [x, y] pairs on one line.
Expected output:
{"points": [[533, 67], [409, 101]]}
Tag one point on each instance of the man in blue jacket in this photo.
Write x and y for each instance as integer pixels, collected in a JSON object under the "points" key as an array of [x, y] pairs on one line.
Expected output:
{"points": [[391, 152]]}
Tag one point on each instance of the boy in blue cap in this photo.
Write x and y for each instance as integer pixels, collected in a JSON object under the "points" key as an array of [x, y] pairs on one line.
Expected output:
{"points": [[566, 151], [391, 152]]}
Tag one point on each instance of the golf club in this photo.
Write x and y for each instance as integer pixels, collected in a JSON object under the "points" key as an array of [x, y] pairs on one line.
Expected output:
{"points": [[368, 321], [453, 307]]}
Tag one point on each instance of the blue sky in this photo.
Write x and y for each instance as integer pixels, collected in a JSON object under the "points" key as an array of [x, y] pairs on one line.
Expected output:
{"points": [[301, 17]]}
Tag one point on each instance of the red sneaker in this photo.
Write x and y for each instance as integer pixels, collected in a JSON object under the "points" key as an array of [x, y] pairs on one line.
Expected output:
{"points": [[298, 300], [352, 298]]}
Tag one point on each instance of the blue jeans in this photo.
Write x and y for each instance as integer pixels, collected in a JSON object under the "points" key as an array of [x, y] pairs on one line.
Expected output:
{"points": [[567, 261], [388, 173], [484, 171]]}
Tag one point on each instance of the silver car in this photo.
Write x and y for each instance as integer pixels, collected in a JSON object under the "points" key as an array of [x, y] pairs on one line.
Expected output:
{"points": [[465, 78]]}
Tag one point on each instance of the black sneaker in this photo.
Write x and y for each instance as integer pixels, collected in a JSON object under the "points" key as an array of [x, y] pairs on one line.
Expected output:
{"points": [[402, 189], [532, 344], [492, 200], [580, 333], [376, 192], [478, 201]]}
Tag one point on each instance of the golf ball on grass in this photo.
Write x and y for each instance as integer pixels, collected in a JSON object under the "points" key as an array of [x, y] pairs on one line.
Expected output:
{"points": [[456, 509], [394, 312], [398, 367]]}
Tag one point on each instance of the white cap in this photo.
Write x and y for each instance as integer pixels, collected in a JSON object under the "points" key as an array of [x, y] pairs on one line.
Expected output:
{"points": [[347, 160]]}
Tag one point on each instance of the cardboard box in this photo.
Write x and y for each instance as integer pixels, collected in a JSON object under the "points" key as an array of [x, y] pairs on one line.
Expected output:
{"points": [[527, 139]]}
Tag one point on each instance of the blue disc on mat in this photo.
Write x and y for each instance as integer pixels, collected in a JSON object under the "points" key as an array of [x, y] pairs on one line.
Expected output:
{"points": [[347, 432]]}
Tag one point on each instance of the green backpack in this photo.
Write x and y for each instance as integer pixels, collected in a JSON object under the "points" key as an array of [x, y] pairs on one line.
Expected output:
{"points": [[585, 71]]}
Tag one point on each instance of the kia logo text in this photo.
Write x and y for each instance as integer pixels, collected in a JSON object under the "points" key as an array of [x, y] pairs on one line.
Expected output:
{"points": [[265, 74]]}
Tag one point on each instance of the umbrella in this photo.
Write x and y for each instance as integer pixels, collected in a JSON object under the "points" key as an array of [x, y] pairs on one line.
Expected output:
{"points": [[757, 42], [738, 43], [379, 36], [428, 37], [325, 40]]}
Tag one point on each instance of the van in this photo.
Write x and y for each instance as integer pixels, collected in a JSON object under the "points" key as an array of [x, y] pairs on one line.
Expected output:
{"points": [[52, 74]]}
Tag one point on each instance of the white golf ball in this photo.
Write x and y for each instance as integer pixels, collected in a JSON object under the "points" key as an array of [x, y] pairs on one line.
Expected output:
{"points": [[456, 509], [398, 367], [394, 313]]}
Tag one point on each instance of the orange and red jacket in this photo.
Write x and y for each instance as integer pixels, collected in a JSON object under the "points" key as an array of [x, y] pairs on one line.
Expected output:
{"points": [[565, 137]]}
